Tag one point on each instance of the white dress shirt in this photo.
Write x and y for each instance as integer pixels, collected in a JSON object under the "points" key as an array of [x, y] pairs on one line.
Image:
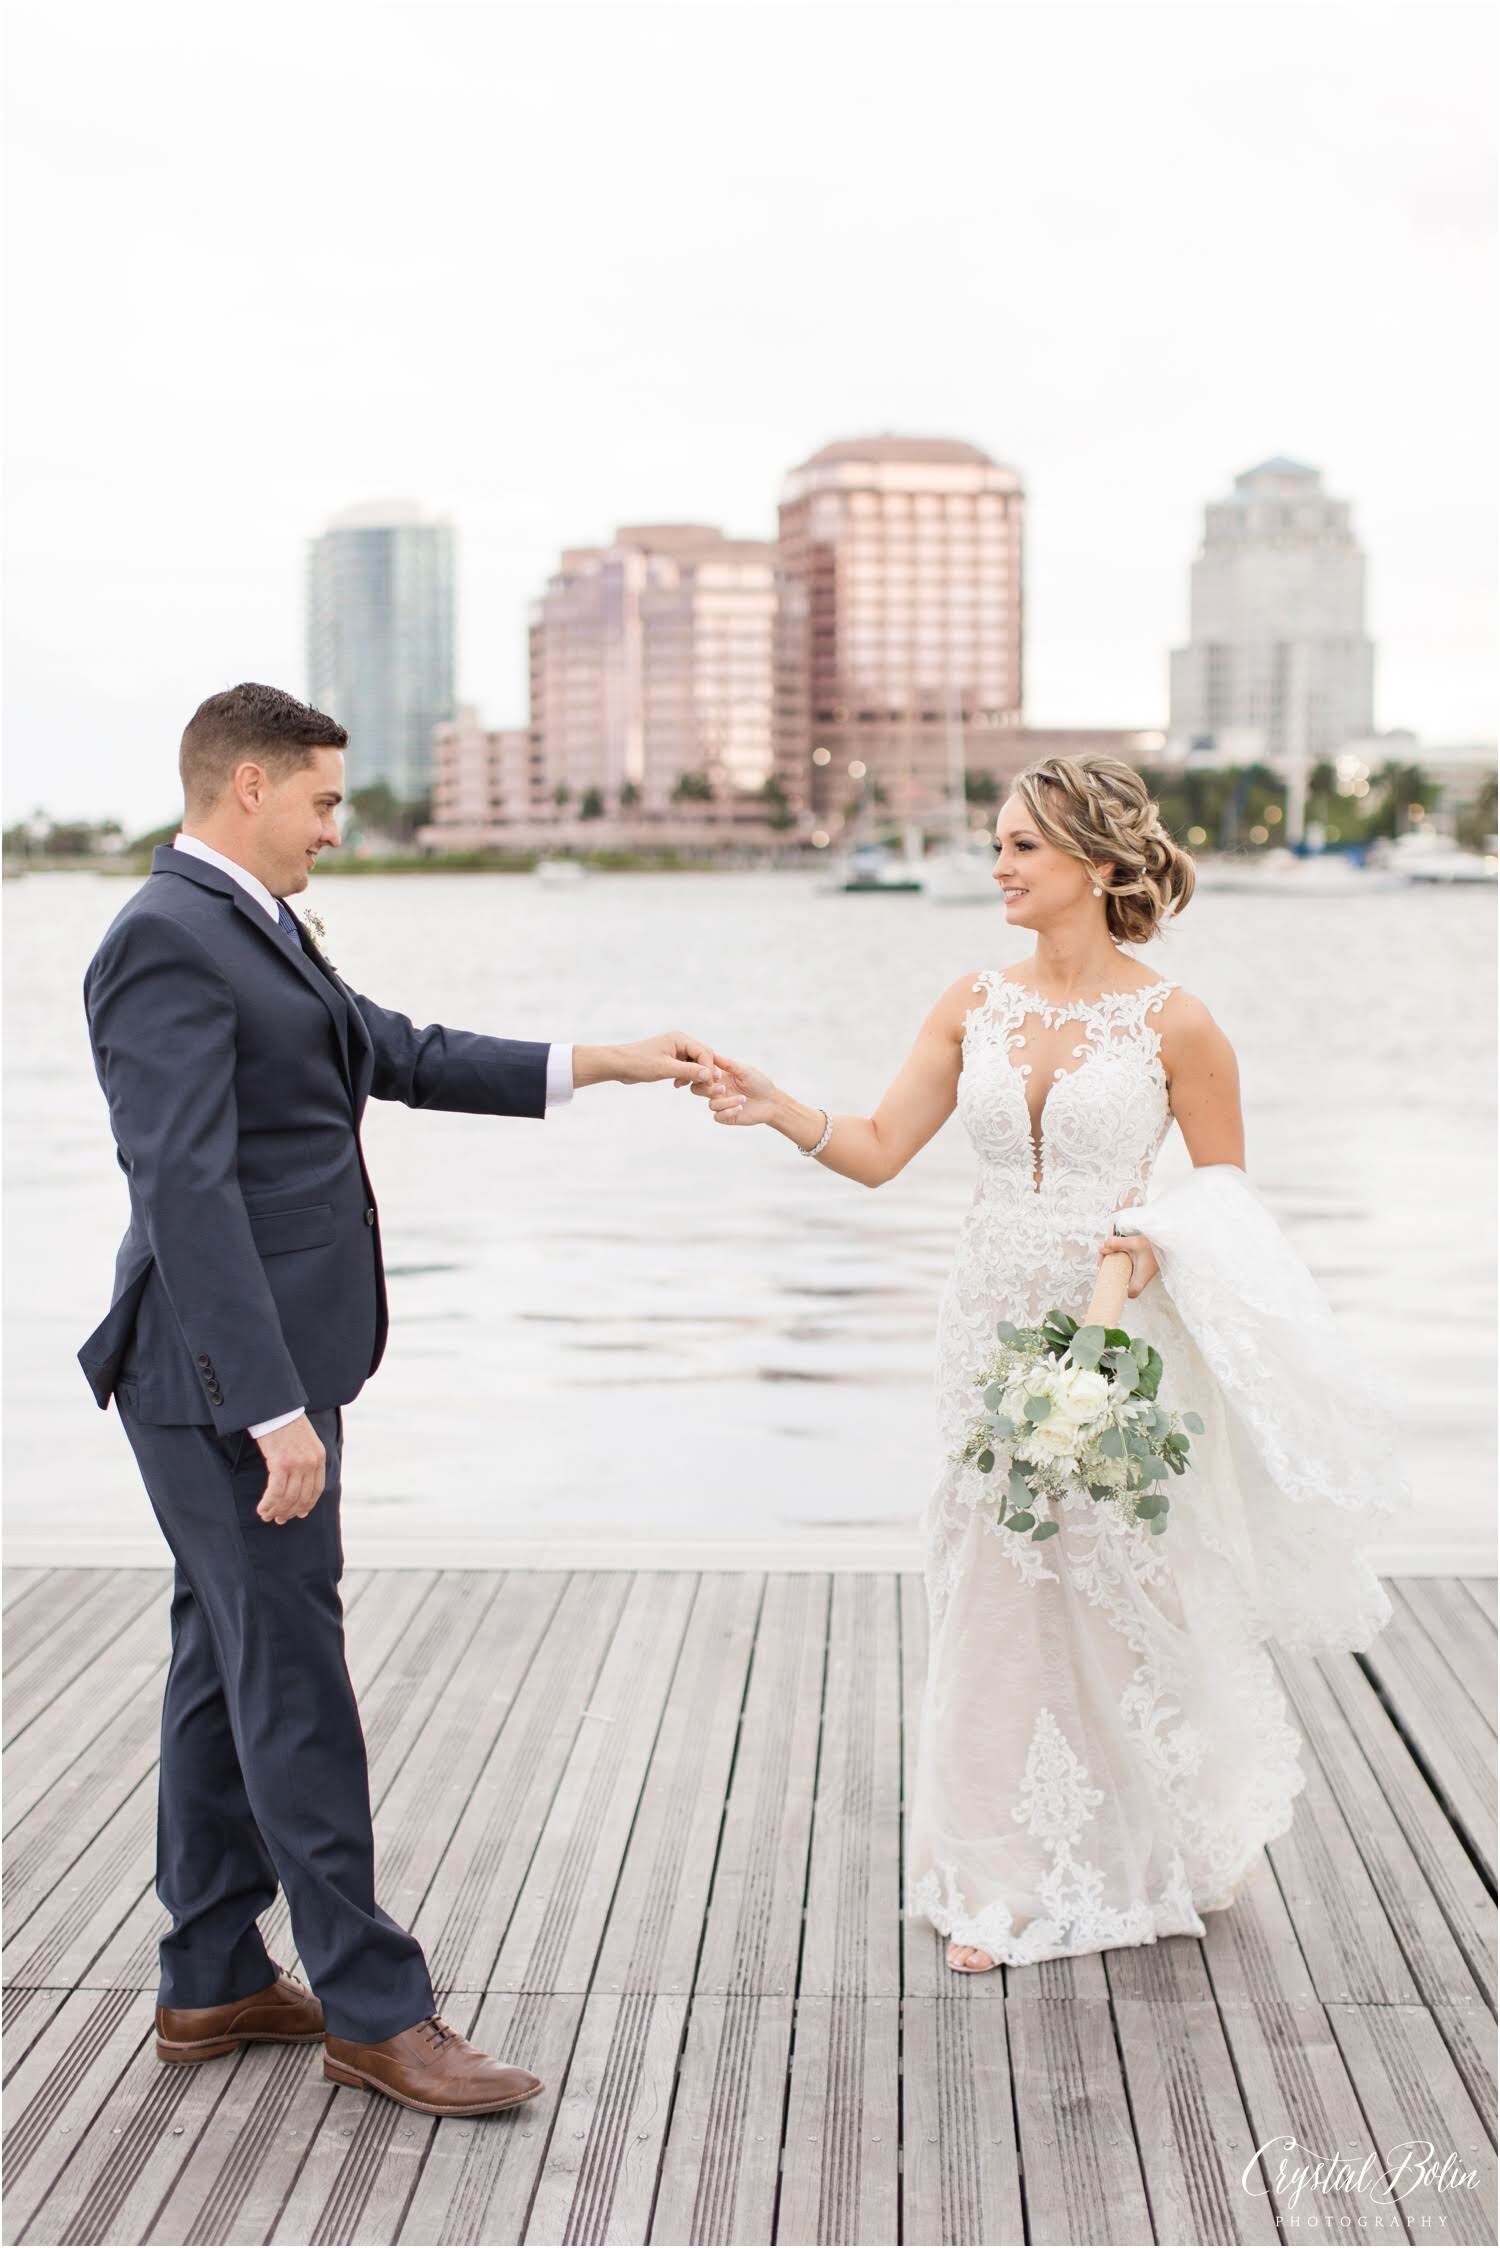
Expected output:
{"points": [[559, 1057]]}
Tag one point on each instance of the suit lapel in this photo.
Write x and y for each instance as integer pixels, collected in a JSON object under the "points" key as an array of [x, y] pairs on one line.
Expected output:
{"points": [[164, 860], [358, 1050], [298, 961]]}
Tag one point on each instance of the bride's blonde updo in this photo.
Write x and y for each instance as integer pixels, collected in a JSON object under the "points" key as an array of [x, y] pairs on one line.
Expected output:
{"points": [[1099, 809]]}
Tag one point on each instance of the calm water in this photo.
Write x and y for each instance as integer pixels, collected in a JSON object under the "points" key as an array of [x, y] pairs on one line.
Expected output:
{"points": [[625, 1335]]}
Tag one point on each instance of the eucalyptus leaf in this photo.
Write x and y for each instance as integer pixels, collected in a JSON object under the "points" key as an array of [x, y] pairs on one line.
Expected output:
{"points": [[985, 1462], [1112, 1444], [992, 1397], [1044, 1530], [1007, 1330], [1038, 1408], [1087, 1345], [1194, 1421], [1021, 1522], [1158, 1526], [1018, 1489]]}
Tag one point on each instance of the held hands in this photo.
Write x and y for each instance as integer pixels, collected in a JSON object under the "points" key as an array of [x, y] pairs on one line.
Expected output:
{"points": [[296, 1469], [673, 1054], [1143, 1265], [741, 1095]]}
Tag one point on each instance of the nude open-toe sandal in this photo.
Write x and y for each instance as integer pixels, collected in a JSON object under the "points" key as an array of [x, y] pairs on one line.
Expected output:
{"points": [[967, 1967]]}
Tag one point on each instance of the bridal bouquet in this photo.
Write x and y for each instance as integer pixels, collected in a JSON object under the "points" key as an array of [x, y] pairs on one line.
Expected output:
{"points": [[1075, 1407]]}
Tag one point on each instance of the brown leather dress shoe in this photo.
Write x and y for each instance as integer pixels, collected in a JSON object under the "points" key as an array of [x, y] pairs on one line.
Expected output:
{"points": [[431, 2068], [281, 2014]]}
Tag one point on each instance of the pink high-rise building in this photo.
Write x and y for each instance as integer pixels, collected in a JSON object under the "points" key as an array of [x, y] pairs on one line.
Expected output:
{"points": [[651, 660], [900, 619]]}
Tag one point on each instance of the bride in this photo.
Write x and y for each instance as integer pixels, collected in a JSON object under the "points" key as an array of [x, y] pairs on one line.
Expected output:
{"points": [[1104, 1747]]}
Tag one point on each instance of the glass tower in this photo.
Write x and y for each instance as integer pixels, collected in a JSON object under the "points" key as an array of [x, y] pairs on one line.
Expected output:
{"points": [[380, 639]]}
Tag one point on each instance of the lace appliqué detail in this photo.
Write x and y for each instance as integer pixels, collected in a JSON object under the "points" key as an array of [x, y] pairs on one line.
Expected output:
{"points": [[1056, 1804]]}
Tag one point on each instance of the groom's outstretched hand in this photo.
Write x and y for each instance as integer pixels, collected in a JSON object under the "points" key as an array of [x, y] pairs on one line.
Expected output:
{"points": [[675, 1055]]}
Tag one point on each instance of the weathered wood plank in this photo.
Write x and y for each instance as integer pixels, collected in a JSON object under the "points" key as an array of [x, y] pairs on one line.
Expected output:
{"points": [[54, 1740], [961, 2176], [1413, 2101], [1346, 1939], [1481, 1590], [1411, 1814], [26, 2013], [721, 2160], [542, 1690], [1463, 1637], [655, 1922], [129, 2149], [1291, 2074], [599, 2178], [35, 1680], [17, 1584], [851, 1947], [63, 1940], [57, 2090], [43, 1616], [227, 2179], [1439, 1722], [1366, 1847], [564, 1900], [753, 1930], [840, 2179], [1192, 2133], [1082, 2168]]}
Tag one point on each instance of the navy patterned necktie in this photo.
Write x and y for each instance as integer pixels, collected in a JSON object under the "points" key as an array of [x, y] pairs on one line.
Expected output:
{"points": [[287, 922]]}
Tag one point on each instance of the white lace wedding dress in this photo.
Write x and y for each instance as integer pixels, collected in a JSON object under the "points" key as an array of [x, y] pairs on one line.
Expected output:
{"points": [[1104, 1747]]}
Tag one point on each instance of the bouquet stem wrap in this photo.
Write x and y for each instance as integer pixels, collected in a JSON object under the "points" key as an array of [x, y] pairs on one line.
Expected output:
{"points": [[1298, 1464]]}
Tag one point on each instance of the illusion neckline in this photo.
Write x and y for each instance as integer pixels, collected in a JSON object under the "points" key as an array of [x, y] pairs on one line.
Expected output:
{"points": [[1062, 1006]]}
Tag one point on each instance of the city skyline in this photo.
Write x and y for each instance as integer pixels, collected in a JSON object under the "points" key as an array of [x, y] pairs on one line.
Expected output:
{"points": [[1266, 238]]}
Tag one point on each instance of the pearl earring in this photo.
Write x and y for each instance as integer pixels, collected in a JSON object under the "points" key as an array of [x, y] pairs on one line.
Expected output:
{"points": [[1097, 891]]}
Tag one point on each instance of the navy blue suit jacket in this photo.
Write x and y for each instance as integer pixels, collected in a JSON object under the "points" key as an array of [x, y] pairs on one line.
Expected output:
{"points": [[237, 1067]]}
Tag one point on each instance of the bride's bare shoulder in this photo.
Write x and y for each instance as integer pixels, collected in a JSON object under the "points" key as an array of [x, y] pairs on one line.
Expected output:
{"points": [[1187, 1026]]}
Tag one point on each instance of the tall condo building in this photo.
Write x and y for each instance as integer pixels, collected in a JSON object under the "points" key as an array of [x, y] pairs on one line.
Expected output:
{"points": [[899, 635], [651, 658], [1277, 663], [380, 638]]}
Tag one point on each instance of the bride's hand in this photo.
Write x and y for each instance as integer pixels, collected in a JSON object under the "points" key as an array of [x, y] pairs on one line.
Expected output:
{"points": [[1143, 1265], [744, 1095]]}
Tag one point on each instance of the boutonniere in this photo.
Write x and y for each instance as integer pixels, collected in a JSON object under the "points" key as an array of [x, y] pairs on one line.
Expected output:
{"points": [[314, 925]]}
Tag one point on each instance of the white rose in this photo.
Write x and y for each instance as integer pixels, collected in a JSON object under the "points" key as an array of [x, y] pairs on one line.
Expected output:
{"points": [[1085, 1393]]}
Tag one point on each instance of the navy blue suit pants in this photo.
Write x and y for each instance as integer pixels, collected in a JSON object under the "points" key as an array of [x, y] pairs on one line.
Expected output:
{"points": [[263, 1770]]}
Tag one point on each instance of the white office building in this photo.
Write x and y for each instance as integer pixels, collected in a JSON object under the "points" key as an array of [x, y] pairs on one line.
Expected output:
{"points": [[1278, 666]]}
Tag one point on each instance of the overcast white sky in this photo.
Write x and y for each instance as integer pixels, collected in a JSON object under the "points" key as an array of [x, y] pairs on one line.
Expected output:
{"points": [[552, 268]]}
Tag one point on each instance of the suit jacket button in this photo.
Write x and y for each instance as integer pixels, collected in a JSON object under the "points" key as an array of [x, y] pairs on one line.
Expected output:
{"points": [[369, 1217], [204, 1359]]}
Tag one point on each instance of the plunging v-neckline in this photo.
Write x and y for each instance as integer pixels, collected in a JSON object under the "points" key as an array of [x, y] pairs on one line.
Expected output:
{"points": [[1070, 1010]]}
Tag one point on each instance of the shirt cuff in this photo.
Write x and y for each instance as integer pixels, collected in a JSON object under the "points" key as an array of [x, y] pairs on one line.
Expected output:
{"points": [[264, 1428], [559, 1075]]}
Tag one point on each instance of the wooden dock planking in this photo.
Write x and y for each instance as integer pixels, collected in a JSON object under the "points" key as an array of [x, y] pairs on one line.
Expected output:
{"points": [[650, 1830]]}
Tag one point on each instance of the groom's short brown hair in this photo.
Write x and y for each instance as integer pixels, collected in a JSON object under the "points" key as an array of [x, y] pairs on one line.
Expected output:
{"points": [[245, 723]]}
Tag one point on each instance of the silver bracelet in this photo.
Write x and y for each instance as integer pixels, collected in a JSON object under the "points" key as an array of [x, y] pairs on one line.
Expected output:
{"points": [[819, 1146]]}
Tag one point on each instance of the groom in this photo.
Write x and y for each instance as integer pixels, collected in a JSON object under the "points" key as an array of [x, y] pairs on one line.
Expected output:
{"points": [[249, 1309]]}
